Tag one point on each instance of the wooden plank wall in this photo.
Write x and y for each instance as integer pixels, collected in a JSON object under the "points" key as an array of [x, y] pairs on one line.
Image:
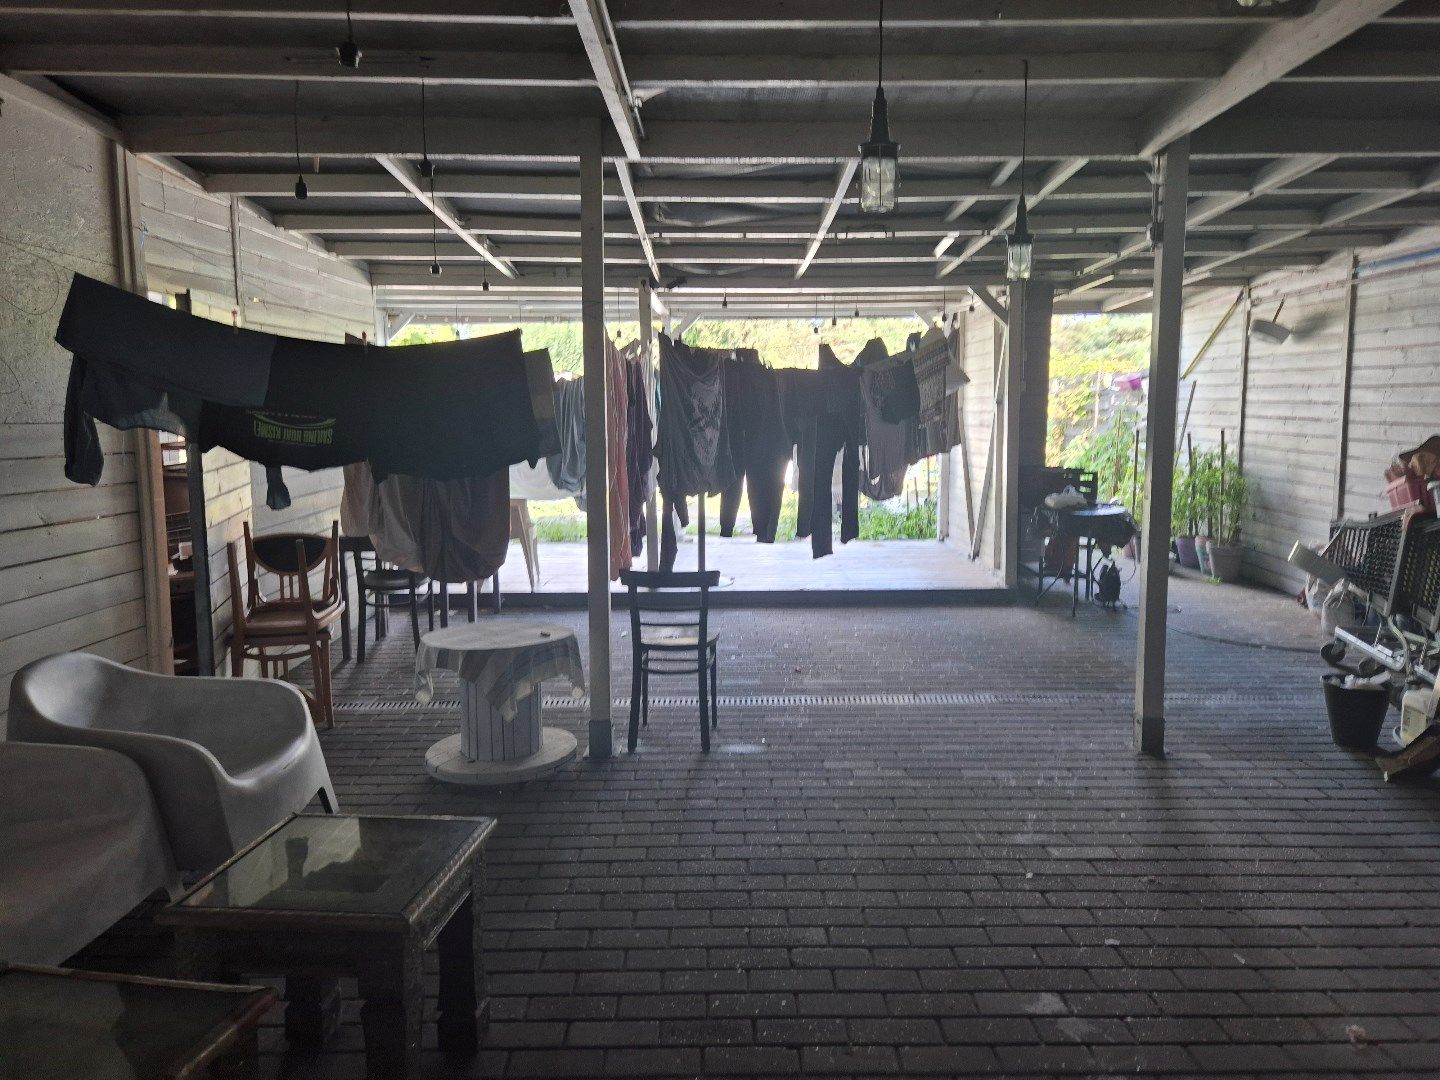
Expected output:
{"points": [[977, 401], [70, 564], [274, 282], [1294, 393]]}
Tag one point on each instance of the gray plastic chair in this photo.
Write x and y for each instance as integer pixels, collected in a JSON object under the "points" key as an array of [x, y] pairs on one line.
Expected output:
{"points": [[81, 845], [226, 758]]}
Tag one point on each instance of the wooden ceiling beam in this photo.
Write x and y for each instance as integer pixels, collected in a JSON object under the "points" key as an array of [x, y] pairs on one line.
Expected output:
{"points": [[1277, 49]]}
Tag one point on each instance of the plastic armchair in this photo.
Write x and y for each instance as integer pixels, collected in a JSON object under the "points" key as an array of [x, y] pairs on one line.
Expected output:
{"points": [[225, 758]]}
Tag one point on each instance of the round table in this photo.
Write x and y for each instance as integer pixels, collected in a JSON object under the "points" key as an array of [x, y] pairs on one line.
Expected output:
{"points": [[501, 663]]}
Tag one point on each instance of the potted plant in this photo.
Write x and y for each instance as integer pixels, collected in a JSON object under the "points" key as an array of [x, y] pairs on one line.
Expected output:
{"points": [[1204, 498], [1182, 518], [1232, 500]]}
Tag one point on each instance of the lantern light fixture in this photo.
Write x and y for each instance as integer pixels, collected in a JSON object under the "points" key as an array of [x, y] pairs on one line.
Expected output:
{"points": [[879, 154], [1020, 254]]}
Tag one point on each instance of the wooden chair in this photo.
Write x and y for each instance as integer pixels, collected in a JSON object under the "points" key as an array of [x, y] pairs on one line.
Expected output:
{"points": [[294, 623], [670, 635], [383, 582]]}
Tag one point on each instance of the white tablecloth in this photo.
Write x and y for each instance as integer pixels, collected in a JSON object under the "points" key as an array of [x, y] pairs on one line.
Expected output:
{"points": [[505, 659]]}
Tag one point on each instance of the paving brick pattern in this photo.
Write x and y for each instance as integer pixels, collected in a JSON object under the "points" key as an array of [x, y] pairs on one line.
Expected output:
{"points": [[1000, 888]]}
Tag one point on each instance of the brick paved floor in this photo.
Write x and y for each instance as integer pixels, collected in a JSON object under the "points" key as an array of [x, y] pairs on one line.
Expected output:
{"points": [[973, 876]]}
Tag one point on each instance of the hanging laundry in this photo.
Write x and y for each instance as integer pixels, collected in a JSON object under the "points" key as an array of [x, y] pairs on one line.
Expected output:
{"points": [[448, 530], [826, 418], [567, 464], [760, 447], [691, 446], [453, 410], [938, 375], [639, 449], [617, 422], [891, 401]]}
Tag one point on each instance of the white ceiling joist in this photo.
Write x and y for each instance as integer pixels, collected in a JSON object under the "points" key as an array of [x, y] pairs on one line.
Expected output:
{"points": [[1277, 174], [408, 175], [1277, 50], [765, 190], [842, 185], [1340, 213], [765, 142], [627, 184], [1053, 178]]}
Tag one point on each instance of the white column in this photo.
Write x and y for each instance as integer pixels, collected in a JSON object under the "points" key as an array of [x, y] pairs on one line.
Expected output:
{"points": [[1008, 524], [1166, 321], [597, 482], [647, 360]]}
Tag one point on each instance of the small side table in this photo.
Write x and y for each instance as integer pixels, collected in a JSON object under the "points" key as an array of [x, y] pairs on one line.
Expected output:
{"points": [[60, 1023], [318, 897], [501, 664]]}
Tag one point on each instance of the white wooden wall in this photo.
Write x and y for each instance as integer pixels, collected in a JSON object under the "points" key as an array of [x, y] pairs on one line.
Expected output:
{"points": [[980, 352], [70, 563], [1292, 421], [233, 260]]}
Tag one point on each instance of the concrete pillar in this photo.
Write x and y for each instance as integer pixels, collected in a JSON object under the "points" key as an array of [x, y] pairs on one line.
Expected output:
{"points": [[1008, 521], [597, 481], [1034, 404], [1166, 319]]}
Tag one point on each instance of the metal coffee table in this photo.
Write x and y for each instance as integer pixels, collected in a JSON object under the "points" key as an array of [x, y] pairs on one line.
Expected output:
{"points": [[324, 896]]}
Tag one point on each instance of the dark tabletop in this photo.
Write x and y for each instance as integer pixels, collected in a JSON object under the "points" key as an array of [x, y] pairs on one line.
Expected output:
{"points": [[62, 1025], [337, 864]]}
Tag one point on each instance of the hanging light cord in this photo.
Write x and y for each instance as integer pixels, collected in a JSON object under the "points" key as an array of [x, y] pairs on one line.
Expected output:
{"points": [[424, 133], [295, 113], [880, 52], [1024, 120], [429, 168]]}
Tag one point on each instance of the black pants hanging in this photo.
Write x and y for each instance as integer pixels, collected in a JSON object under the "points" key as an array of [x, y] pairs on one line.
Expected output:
{"points": [[759, 448]]}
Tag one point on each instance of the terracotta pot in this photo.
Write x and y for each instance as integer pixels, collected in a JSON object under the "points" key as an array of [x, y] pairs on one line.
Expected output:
{"points": [[1185, 548], [1225, 561]]}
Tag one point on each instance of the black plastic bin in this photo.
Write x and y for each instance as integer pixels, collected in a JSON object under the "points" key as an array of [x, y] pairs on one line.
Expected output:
{"points": [[1357, 713]]}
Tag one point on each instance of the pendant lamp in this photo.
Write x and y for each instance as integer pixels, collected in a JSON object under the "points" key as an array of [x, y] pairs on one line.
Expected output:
{"points": [[1020, 256], [879, 155]]}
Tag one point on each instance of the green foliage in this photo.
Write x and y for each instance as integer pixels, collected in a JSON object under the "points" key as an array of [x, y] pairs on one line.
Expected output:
{"points": [[1110, 454], [1086, 345], [879, 521], [1217, 496], [781, 342], [792, 343], [560, 529]]}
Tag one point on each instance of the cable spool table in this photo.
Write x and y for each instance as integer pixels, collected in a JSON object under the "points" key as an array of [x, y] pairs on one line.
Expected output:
{"points": [[501, 664]]}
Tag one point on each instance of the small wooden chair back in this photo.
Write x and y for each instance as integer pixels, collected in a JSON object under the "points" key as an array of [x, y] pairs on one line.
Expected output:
{"points": [[292, 558], [674, 601]]}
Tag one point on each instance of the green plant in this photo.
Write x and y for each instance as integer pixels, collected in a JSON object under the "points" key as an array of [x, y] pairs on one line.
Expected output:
{"points": [[1109, 454], [1182, 503], [880, 522], [1232, 499]]}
